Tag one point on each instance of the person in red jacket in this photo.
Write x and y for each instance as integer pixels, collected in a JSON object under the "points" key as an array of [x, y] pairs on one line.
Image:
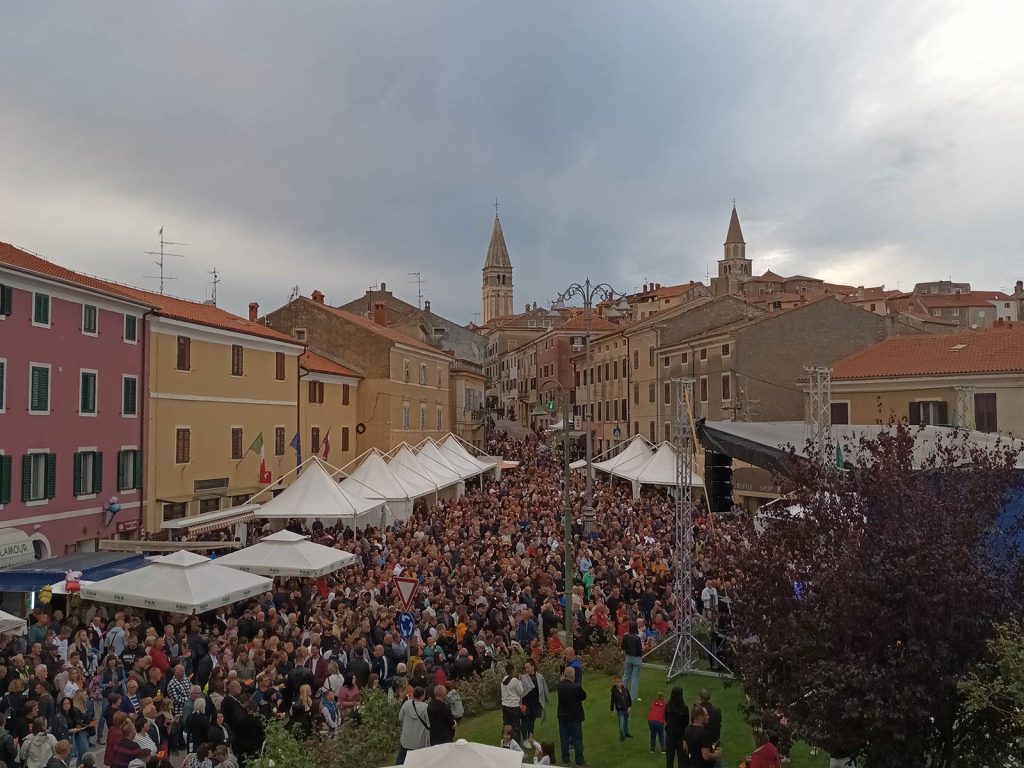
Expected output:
{"points": [[656, 721], [158, 655], [765, 755]]}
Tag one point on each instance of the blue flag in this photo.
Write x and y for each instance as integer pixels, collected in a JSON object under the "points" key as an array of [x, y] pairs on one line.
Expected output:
{"points": [[296, 444]]}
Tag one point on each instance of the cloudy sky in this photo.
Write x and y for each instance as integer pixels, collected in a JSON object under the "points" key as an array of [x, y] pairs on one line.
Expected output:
{"points": [[335, 145]]}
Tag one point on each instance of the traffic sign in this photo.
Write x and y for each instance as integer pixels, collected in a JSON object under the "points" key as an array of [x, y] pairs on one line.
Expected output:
{"points": [[616, 432], [406, 588], [406, 625]]}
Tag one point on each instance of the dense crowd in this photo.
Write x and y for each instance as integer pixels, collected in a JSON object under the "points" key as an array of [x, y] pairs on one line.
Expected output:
{"points": [[490, 571]]}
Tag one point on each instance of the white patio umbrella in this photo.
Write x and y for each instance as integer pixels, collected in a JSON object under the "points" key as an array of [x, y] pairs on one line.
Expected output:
{"points": [[288, 554], [11, 624], [182, 582], [464, 754]]}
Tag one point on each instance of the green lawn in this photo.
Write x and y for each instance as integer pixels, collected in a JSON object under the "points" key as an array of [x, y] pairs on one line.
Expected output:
{"points": [[602, 747]]}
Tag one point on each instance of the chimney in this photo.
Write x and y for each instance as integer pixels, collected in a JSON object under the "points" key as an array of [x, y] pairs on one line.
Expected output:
{"points": [[254, 311], [383, 287], [380, 313], [318, 297], [527, 307], [426, 305]]}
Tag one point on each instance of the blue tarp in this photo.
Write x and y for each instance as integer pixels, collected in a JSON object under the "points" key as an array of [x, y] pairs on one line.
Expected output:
{"points": [[94, 566]]}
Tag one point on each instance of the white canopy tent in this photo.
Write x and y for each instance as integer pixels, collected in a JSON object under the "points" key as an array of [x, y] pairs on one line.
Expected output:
{"points": [[11, 624], [288, 554], [636, 453], [463, 754], [183, 582], [315, 495], [407, 468], [374, 480], [440, 469], [659, 469], [451, 445]]}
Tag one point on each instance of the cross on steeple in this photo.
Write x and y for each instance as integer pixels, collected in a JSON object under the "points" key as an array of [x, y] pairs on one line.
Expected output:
{"points": [[496, 207]]}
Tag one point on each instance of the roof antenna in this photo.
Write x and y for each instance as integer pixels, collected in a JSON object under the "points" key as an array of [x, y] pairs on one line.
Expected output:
{"points": [[160, 263], [213, 286], [294, 294], [420, 282]]}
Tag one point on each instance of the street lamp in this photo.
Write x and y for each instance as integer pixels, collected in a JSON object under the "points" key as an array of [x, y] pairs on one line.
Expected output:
{"points": [[587, 292], [567, 569]]}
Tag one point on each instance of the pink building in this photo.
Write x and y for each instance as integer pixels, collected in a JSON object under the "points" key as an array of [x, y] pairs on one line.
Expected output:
{"points": [[71, 400]]}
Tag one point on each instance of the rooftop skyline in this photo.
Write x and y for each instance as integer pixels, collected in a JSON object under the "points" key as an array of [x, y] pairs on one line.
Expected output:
{"points": [[338, 146]]}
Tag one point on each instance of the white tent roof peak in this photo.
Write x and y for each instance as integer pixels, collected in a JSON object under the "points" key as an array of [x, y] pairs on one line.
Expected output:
{"points": [[315, 494], [285, 536], [182, 558], [635, 454], [288, 554]]}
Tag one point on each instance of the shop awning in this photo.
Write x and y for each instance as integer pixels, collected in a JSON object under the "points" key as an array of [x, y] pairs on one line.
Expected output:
{"points": [[93, 565], [212, 521]]}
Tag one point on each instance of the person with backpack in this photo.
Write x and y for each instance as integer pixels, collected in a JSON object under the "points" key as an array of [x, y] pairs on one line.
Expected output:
{"points": [[415, 724], [37, 749]]}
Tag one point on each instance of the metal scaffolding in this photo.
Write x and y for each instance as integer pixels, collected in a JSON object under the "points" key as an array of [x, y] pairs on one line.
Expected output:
{"points": [[819, 411]]}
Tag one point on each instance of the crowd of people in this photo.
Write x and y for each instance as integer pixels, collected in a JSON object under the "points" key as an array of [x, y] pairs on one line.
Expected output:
{"points": [[490, 572]]}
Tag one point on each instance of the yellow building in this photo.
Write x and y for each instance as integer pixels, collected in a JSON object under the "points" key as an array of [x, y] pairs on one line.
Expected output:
{"points": [[215, 383], [328, 408]]}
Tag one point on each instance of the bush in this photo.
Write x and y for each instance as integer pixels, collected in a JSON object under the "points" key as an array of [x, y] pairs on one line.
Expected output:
{"points": [[366, 741], [282, 750], [607, 658]]}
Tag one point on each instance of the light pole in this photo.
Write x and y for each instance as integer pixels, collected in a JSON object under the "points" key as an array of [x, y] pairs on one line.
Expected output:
{"points": [[567, 568], [588, 291]]}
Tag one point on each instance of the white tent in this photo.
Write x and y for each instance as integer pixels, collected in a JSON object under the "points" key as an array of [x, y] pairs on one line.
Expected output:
{"points": [[636, 453], [374, 480], [452, 446], [315, 495], [182, 582], [440, 469], [463, 754], [460, 462], [659, 469], [414, 476], [288, 554], [11, 624]]}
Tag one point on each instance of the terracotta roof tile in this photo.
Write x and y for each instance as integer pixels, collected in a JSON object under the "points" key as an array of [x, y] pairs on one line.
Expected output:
{"points": [[998, 349], [165, 306], [389, 333], [969, 299], [317, 363], [581, 323]]}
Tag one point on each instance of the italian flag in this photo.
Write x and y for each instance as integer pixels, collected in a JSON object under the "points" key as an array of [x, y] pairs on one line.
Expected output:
{"points": [[257, 447]]}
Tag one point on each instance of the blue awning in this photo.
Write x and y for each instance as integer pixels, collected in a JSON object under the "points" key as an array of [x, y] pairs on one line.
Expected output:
{"points": [[94, 566]]}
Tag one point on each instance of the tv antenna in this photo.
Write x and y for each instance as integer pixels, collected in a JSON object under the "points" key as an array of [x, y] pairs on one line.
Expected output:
{"points": [[420, 282], [213, 285], [294, 294], [160, 262]]}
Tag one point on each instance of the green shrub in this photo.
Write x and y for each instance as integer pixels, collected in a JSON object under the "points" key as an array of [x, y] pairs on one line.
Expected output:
{"points": [[606, 658], [283, 750], [369, 740]]}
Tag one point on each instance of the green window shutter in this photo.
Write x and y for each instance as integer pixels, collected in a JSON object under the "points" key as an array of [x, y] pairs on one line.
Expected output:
{"points": [[97, 472], [122, 458], [40, 394], [3, 373], [76, 481], [42, 309], [51, 475], [138, 469], [6, 299], [130, 396], [26, 477], [88, 404], [6, 464]]}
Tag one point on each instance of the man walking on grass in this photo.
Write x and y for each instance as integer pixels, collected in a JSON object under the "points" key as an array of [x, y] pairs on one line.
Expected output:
{"points": [[570, 716]]}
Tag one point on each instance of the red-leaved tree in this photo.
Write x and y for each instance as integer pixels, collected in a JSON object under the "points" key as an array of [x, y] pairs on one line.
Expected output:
{"points": [[858, 614]]}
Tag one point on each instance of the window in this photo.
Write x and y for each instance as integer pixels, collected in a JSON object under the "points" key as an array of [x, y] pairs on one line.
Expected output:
{"points": [[650, 353], [41, 309], [6, 467], [345, 394], [929, 412], [3, 385], [88, 477], [209, 505], [668, 393], [607, 368], [184, 353], [625, 416], [405, 416], [684, 358], [314, 439], [131, 328], [636, 359], [236, 360], [38, 476], [423, 417], [89, 319], [599, 411], [405, 371], [344, 438], [726, 386], [6, 300], [636, 427], [87, 393], [599, 373], [703, 389], [129, 396], [985, 413], [440, 418], [439, 372], [299, 334], [316, 391], [650, 433], [279, 370], [423, 374], [668, 430], [182, 445], [704, 354], [615, 410], [667, 361], [129, 470], [576, 379], [636, 394], [236, 443], [725, 350], [650, 392], [279, 441], [840, 413], [39, 388]]}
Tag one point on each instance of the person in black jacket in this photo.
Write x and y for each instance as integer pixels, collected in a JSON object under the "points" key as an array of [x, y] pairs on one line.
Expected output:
{"points": [[621, 703], [439, 715], [677, 717], [570, 715], [249, 735]]}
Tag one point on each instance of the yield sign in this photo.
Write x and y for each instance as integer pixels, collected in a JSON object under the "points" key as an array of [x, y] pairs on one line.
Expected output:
{"points": [[406, 587]]}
